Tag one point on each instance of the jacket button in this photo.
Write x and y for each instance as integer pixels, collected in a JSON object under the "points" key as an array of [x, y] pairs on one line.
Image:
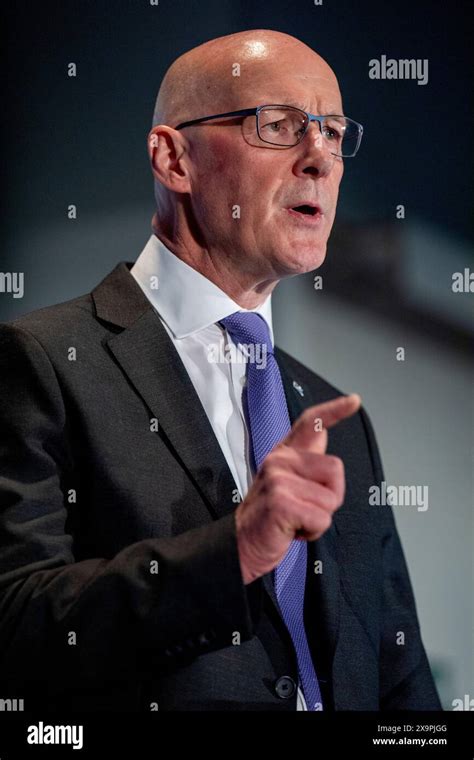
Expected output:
{"points": [[285, 687]]}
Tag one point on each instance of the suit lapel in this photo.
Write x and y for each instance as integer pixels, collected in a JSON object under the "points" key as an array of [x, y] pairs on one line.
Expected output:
{"points": [[150, 361]]}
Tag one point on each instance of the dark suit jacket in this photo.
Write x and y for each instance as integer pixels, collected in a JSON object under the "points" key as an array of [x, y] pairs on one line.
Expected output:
{"points": [[91, 495]]}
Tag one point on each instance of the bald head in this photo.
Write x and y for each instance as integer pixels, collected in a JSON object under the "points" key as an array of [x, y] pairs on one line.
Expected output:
{"points": [[224, 74]]}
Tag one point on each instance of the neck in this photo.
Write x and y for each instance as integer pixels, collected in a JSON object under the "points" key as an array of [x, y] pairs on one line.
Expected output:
{"points": [[247, 288]]}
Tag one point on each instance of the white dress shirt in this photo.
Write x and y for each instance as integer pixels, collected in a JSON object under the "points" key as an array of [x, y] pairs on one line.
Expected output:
{"points": [[189, 305]]}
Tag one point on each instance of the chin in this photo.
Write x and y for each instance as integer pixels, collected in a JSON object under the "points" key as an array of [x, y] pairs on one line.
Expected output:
{"points": [[305, 258]]}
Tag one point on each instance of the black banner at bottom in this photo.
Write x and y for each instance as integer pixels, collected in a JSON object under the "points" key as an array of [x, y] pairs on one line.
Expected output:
{"points": [[417, 735]]}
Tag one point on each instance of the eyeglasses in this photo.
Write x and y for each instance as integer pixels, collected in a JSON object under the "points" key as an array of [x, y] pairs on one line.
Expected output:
{"points": [[285, 127]]}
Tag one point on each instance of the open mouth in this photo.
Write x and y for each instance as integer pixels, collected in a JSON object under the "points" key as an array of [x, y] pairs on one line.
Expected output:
{"points": [[305, 209], [306, 212]]}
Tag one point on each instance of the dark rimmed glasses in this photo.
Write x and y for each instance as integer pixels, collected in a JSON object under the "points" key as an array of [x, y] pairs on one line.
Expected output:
{"points": [[285, 126]]}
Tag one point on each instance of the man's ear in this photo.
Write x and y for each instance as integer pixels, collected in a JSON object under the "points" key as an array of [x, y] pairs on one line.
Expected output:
{"points": [[168, 158]]}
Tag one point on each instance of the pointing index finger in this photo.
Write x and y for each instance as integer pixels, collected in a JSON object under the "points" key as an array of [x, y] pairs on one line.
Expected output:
{"points": [[306, 432], [332, 412]]}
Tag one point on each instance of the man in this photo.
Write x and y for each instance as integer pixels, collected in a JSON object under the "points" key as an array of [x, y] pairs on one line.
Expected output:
{"points": [[179, 532]]}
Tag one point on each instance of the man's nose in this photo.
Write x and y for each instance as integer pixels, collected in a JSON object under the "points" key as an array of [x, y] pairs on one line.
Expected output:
{"points": [[314, 155]]}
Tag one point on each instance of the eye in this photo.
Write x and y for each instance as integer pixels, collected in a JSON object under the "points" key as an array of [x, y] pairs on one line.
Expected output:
{"points": [[333, 130], [284, 125], [331, 133], [273, 126]]}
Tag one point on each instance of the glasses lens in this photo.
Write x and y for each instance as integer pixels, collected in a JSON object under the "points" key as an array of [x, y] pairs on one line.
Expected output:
{"points": [[286, 126], [281, 126], [342, 134]]}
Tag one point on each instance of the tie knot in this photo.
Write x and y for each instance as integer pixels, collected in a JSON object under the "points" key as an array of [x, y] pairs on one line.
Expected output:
{"points": [[248, 328]]}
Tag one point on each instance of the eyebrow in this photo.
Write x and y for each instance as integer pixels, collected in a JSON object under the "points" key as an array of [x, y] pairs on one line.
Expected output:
{"points": [[288, 101]]}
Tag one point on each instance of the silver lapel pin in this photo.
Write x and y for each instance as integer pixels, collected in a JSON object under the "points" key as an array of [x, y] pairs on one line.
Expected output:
{"points": [[298, 388]]}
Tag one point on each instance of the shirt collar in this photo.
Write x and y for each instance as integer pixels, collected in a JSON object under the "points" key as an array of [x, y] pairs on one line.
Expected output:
{"points": [[184, 298]]}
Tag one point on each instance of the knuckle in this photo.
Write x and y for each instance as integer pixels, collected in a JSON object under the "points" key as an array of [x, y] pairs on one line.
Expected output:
{"points": [[325, 521], [277, 458], [336, 465], [273, 473], [273, 481], [333, 501], [268, 465]]}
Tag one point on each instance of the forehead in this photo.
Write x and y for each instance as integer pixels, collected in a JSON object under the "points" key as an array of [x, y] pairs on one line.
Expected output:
{"points": [[316, 93]]}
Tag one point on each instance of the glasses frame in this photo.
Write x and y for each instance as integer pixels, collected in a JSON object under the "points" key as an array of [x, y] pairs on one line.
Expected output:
{"points": [[310, 117]]}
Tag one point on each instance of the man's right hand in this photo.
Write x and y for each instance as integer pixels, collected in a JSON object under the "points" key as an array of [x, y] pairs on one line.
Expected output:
{"points": [[295, 492]]}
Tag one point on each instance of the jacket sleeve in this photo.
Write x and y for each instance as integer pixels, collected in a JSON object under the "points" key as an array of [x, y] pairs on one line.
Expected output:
{"points": [[406, 682], [123, 615]]}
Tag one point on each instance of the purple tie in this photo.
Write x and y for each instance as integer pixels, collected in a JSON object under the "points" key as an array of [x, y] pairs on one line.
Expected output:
{"points": [[269, 423]]}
